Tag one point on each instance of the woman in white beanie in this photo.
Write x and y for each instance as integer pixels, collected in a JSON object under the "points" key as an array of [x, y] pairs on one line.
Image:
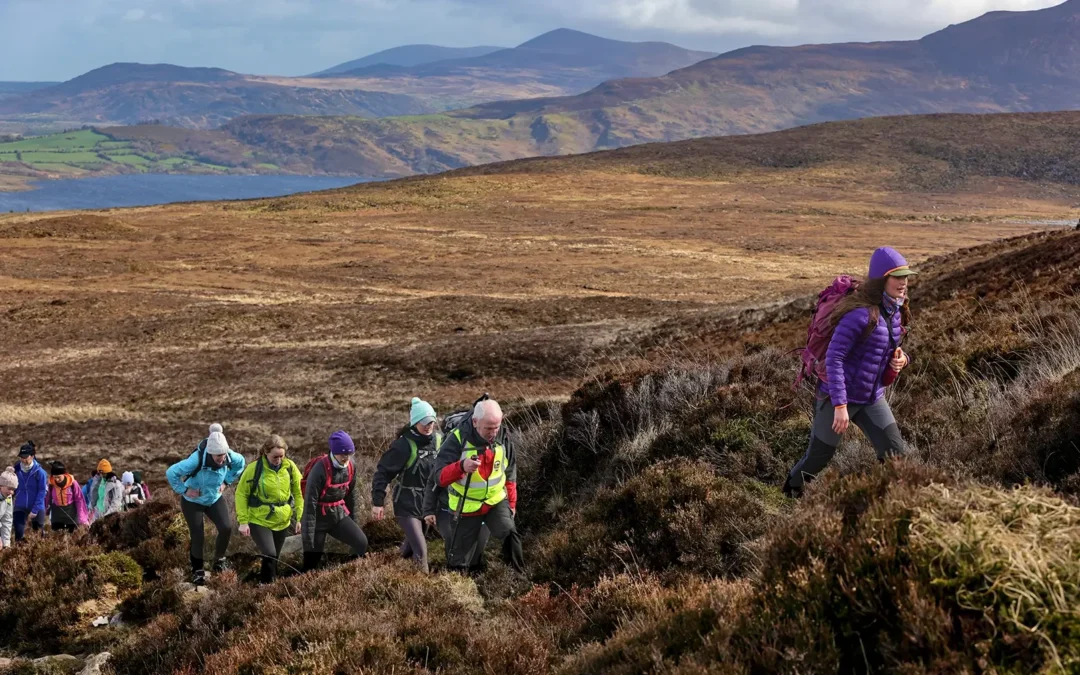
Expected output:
{"points": [[9, 483], [199, 480], [133, 494]]}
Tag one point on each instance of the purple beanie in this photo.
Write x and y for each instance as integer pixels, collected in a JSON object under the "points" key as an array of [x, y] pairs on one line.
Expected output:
{"points": [[341, 444], [887, 262]]}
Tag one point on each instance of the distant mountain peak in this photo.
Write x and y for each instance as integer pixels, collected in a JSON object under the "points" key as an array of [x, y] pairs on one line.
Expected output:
{"points": [[564, 38]]}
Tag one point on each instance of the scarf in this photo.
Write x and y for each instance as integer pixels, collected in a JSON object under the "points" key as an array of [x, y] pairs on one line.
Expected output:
{"points": [[890, 304], [62, 483]]}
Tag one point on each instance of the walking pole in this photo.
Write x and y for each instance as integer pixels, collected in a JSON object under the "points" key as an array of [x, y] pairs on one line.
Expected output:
{"points": [[457, 519]]}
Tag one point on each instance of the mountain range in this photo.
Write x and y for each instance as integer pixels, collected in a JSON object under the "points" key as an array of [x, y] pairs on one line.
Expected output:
{"points": [[409, 55], [394, 83], [999, 62]]}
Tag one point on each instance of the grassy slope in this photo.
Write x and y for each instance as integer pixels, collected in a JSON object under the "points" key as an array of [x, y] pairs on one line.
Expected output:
{"points": [[139, 150], [936, 152]]}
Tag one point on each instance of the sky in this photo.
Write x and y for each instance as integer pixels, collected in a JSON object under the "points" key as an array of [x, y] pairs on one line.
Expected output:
{"points": [[49, 40]]}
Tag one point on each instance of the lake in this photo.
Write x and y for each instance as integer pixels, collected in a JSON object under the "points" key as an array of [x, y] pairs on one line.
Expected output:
{"points": [[148, 189]]}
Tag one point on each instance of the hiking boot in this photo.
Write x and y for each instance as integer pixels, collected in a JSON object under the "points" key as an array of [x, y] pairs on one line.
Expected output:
{"points": [[268, 572], [198, 578], [220, 565], [792, 492]]}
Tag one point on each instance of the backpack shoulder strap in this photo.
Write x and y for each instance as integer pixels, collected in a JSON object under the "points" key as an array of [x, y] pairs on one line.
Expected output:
{"points": [[438, 440], [413, 451], [255, 479]]}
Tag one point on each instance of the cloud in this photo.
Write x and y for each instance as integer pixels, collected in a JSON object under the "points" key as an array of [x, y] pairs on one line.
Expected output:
{"points": [[301, 36]]}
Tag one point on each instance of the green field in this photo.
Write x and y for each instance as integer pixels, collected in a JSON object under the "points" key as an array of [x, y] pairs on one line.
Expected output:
{"points": [[77, 152]]}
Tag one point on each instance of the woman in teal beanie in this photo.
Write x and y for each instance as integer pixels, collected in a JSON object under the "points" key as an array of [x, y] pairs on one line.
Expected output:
{"points": [[410, 459]]}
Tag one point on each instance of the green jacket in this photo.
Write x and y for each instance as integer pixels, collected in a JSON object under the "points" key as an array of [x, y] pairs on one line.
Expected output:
{"points": [[276, 486]]}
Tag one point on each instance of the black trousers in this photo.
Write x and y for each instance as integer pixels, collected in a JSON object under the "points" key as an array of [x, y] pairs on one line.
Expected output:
{"points": [[269, 543], [346, 531], [218, 513], [500, 521]]}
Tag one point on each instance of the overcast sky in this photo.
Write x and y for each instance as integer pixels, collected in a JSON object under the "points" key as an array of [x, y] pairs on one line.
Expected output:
{"points": [[59, 39]]}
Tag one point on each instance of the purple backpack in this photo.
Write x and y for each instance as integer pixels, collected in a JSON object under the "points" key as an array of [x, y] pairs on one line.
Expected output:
{"points": [[821, 328]]}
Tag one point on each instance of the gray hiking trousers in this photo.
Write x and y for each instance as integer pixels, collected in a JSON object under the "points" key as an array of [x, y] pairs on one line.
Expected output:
{"points": [[415, 545], [876, 421]]}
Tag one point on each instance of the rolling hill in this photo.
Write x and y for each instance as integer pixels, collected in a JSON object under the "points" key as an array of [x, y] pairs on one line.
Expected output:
{"points": [[1000, 62], [557, 63], [409, 55]]}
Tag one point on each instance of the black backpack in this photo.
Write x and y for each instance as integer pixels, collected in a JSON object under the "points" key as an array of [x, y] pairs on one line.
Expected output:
{"points": [[201, 450], [253, 496], [459, 417]]}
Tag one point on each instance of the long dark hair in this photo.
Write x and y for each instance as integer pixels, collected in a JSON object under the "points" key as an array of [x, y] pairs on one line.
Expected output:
{"points": [[868, 295]]}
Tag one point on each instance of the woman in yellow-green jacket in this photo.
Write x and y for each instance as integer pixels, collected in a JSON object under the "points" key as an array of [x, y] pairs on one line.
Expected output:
{"points": [[269, 503]]}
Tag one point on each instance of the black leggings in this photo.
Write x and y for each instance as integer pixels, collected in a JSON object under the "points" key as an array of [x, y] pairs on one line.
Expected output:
{"points": [[269, 542], [218, 513], [346, 531]]}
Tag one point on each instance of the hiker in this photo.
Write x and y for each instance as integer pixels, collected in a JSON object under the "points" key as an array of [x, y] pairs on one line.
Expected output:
{"points": [[9, 483], [86, 487], [269, 503], [64, 501], [863, 357], [437, 515], [133, 491], [141, 483], [330, 501], [480, 475], [199, 480], [410, 460], [106, 492], [30, 496]]}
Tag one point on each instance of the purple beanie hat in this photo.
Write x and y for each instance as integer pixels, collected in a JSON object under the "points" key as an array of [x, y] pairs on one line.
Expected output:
{"points": [[887, 262], [341, 444]]}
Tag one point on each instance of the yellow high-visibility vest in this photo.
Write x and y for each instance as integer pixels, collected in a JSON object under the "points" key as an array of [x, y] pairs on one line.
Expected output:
{"points": [[479, 491]]}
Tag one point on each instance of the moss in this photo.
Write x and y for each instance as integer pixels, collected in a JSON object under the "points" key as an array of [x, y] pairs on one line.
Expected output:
{"points": [[117, 569]]}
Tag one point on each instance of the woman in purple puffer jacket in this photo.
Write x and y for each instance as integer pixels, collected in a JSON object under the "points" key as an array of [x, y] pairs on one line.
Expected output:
{"points": [[864, 357]]}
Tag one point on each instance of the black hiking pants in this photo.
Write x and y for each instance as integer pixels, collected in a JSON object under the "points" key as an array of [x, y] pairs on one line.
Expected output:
{"points": [[269, 543], [444, 520], [219, 515], [500, 521], [346, 531]]}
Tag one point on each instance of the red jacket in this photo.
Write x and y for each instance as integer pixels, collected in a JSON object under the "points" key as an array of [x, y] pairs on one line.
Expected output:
{"points": [[454, 472]]}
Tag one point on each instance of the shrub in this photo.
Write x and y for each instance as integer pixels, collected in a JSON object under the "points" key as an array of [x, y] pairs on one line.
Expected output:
{"points": [[894, 571], [373, 615], [675, 516], [52, 585], [153, 535]]}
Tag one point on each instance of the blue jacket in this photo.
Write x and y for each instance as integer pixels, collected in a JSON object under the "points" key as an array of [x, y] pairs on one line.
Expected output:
{"points": [[30, 496], [207, 480]]}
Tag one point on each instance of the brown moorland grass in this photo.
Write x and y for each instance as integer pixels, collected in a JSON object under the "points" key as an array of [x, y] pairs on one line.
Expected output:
{"points": [[654, 424], [127, 336]]}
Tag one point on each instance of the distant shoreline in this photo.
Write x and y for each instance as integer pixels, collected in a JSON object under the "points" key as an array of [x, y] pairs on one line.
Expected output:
{"points": [[16, 183], [149, 189]]}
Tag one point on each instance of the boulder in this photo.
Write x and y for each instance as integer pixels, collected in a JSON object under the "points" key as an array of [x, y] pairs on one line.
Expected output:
{"points": [[59, 663], [95, 663]]}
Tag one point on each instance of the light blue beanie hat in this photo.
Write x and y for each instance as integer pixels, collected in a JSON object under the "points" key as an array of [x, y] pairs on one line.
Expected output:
{"points": [[421, 410]]}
